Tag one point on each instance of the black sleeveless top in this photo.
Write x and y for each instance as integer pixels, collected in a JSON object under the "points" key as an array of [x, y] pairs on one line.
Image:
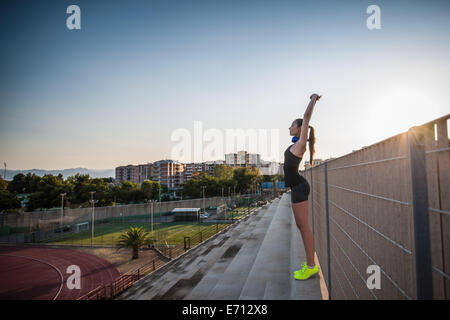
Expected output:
{"points": [[290, 167]]}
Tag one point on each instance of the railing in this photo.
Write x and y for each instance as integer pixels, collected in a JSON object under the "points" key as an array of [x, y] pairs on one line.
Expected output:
{"points": [[128, 279], [123, 282], [386, 205]]}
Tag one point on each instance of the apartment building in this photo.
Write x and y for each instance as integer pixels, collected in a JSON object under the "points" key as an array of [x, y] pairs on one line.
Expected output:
{"points": [[254, 159], [173, 173], [231, 159], [145, 172], [270, 167], [208, 166], [204, 167], [127, 173], [191, 168], [169, 173], [243, 159]]}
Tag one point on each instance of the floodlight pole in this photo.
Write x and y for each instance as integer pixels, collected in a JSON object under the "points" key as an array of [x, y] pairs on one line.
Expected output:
{"points": [[203, 190], [151, 201], [62, 208], [204, 208], [92, 228]]}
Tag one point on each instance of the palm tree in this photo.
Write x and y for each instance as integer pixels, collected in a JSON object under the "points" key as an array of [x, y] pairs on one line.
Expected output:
{"points": [[134, 237]]}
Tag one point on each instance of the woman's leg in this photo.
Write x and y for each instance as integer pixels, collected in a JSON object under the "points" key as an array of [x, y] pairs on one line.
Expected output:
{"points": [[301, 218]]}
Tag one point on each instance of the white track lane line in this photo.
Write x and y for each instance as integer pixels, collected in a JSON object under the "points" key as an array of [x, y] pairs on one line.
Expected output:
{"points": [[59, 272]]}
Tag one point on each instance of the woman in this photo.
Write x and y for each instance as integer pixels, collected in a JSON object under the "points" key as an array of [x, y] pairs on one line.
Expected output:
{"points": [[299, 186]]}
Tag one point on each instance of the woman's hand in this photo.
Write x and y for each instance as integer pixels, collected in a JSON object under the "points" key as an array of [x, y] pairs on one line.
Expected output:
{"points": [[315, 96]]}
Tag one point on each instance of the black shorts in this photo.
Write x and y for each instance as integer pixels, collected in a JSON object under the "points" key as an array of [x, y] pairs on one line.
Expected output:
{"points": [[300, 192]]}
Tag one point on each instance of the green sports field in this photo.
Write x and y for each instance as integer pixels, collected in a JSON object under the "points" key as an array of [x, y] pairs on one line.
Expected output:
{"points": [[107, 234]]}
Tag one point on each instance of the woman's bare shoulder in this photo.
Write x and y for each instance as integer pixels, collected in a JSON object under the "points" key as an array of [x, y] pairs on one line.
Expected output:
{"points": [[296, 150]]}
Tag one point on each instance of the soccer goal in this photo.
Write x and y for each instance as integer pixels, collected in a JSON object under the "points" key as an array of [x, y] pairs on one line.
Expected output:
{"points": [[79, 227]]}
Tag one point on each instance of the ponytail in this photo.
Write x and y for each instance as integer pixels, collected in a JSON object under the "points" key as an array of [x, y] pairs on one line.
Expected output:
{"points": [[311, 140], [311, 143]]}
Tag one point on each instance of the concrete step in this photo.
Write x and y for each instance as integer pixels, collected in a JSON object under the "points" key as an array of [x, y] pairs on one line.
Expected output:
{"points": [[253, 259], [269, 275], [178, 277], [216, 259], [222, 284], [191, 273]]}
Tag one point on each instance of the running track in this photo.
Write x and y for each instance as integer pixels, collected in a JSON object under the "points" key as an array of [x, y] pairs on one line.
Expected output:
{"points": [[39, 273]]}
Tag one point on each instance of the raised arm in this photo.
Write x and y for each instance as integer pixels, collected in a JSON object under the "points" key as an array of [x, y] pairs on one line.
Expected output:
{"points": [[299, 147]]}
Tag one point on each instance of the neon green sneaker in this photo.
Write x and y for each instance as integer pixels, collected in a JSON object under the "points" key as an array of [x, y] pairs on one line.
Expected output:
{"points": [[304, 265], [306, 272]]}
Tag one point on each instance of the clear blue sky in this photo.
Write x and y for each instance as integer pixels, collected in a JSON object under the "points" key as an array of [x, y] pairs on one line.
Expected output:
{"points": [[112, 93]]}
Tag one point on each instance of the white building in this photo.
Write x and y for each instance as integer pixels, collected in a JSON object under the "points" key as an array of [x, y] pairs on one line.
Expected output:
{"points": [[230, 159], [241, 158], [271, 168], [255, 159]]}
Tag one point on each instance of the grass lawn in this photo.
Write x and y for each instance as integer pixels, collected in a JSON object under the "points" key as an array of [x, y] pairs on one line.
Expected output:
{"points": [[108, 234]]}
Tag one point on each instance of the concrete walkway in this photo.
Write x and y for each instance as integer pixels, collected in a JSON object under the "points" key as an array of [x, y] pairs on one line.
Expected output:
{"points": [[253, 259]]}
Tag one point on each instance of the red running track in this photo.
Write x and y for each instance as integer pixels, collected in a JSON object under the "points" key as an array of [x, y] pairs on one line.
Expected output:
{"points": [[40, 273]]}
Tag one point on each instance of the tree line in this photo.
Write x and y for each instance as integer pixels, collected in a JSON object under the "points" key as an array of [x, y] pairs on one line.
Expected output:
{"points": [[45, 192]]}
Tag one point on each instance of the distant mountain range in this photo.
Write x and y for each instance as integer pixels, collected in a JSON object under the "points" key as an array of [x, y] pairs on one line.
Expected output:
{"points": [[65, 172]]}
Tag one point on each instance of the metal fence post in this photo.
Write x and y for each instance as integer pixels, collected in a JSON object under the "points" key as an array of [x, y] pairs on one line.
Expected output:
{"points": [[327, 214], [419, 196]]}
